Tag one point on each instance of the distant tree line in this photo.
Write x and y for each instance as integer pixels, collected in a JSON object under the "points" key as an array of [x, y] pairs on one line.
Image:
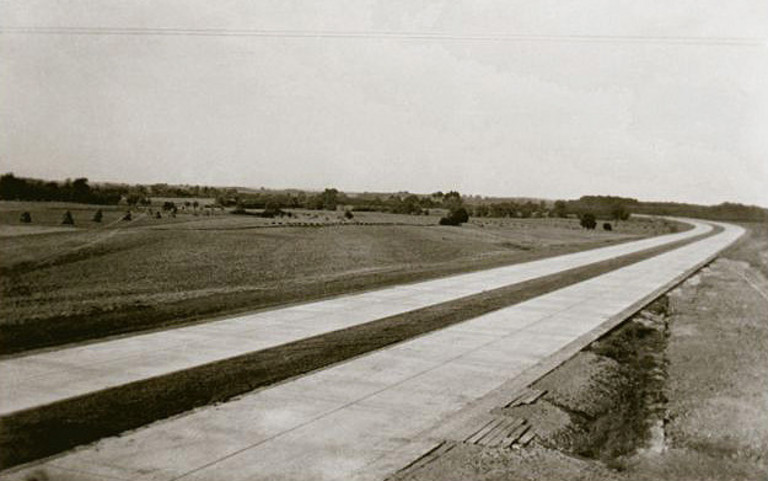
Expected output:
{"points": [[273, 201], [511, 209], [332, 199], [17, 188], [619, 208]]}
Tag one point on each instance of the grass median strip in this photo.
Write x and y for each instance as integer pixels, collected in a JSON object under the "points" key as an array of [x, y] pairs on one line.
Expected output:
{"points": [[43, 431]]}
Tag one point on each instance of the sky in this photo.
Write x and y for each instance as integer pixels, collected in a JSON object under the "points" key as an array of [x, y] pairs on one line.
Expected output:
{"points": [[657, 100]]}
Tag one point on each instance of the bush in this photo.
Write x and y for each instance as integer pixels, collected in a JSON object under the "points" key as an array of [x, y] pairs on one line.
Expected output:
{"points": [[460, 215], [607, 226], [127, 216], [456, 216], [98, 216], [588, 221], [26, 218], [272, 210], [349, 215]]}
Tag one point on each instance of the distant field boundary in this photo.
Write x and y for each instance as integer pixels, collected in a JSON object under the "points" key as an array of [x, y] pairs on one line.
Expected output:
{"points": [[32, 434]]}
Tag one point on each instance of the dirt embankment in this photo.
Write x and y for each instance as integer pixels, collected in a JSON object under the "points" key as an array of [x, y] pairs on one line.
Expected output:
{"points": [[679, 392]]}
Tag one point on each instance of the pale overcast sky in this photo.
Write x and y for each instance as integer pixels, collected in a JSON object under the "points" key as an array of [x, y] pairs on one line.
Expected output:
{"points": [[543, 108]]}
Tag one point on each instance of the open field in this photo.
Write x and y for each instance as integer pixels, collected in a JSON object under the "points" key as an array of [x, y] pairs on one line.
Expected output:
{"points": [[123, 276], [679, 392]]}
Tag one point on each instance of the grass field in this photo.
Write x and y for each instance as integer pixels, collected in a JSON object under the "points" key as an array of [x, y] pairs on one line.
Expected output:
{"points": [[93, 280]]}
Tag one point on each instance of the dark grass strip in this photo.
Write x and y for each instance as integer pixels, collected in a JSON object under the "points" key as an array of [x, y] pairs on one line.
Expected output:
{"points": [[50, 429]]}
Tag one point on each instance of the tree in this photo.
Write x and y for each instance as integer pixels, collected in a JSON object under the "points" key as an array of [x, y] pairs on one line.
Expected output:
{"points": [[456, 216], [134, 198], [98, 216], [239, 209], [619, 212], [482, 210], [588, 221], [560, 209], [81, 191], [272, 209], [330, 199]]}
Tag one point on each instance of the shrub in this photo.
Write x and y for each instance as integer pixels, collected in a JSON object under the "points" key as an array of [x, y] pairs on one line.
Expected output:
{"points": [[26, 217], [607, 226], [127, 216], [588, 221], [98, 216], [348, 214], [272, 210], [456, 216], [460, 215]]}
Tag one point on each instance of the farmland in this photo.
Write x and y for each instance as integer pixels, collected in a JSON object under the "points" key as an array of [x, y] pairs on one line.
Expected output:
{"points": [[68, 283]]}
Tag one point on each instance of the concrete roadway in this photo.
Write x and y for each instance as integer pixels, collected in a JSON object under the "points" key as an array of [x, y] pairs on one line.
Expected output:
{"points": [[359, 419], [42, 378]]}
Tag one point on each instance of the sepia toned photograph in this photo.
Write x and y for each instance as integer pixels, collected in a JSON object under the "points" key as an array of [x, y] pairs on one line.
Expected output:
{"points": [[423, 240]]}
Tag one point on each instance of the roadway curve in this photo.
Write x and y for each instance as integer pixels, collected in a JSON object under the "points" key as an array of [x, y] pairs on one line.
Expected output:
{"points": [[360, 418]]}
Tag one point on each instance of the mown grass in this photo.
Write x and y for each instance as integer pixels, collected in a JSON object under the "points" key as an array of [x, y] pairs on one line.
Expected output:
{"points": [[123, 277]]}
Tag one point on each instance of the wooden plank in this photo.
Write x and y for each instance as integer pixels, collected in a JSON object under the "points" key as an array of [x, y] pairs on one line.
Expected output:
{"points": [[526, 438], [484, 430], [515, 435], [485, 426], [532, 396], [518, 396], [440, 451], [499, 436], [500, 428]]}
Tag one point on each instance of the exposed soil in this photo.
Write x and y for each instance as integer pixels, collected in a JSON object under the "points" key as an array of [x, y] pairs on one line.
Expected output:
{"points": [[679, 392]]}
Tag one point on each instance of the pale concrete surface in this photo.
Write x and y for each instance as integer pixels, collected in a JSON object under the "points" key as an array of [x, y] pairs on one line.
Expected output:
{"points": [[39, 379], [359, 419]]}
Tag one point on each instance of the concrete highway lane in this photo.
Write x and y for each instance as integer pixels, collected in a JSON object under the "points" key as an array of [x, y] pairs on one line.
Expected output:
{"points": [[365, 417], [43, 378]]}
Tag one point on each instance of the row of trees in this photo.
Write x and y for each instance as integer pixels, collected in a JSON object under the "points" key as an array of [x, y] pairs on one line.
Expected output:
{"points": [[16, 188], [331, 199], [603, 207]]}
